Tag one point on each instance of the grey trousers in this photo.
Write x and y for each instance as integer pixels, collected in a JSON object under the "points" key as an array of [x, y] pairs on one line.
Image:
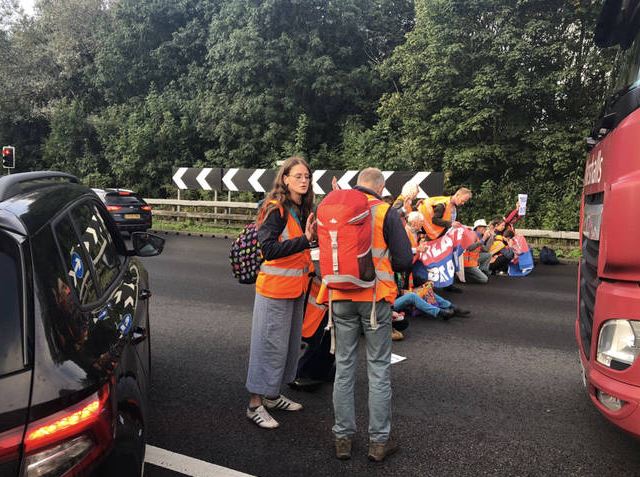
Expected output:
{"points": [[275, 344], [349, 317]]}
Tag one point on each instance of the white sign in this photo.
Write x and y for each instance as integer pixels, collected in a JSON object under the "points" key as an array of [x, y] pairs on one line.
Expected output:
{"points": [[522, 204]]}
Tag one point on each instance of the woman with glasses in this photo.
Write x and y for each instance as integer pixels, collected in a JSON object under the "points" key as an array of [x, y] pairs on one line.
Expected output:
{"points": [[286, 227]]}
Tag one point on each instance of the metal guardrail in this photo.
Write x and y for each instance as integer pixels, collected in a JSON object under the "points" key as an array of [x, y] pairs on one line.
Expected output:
{"points": [[226, 213]]}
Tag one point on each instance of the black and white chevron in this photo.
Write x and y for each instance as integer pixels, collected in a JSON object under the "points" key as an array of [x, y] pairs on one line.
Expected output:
{"points": [[261, 180]]}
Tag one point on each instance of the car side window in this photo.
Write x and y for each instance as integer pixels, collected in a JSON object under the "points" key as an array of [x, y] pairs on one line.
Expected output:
{"points": [[97, 243], [10, 306], [75, 263]]}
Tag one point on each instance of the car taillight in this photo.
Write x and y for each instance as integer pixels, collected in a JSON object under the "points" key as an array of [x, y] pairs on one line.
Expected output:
{"points": [[146, 207], [124, 192], [113, 208], [10, 442], [70, 441]]}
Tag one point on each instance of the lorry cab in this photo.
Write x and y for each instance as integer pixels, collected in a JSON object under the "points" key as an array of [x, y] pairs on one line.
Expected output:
{"points": [[608, 319]]}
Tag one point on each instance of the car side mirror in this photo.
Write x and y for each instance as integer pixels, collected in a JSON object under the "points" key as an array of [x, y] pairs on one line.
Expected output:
{"points": [[146, 245]]}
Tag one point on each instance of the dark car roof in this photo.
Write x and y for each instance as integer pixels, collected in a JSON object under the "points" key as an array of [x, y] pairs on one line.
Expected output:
{"points": [[27, 210]]}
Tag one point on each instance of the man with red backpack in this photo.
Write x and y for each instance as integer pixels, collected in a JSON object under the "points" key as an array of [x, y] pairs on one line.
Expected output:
{"points": [[358, 282]]}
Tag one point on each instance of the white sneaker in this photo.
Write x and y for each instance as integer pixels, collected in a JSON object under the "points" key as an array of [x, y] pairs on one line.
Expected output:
{"points": [[283, 403], [262, 418]]}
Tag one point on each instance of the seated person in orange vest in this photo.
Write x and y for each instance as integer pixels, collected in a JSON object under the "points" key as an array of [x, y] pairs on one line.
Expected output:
{"points": [[404, 202], [441, 212], [501, 253], [415, 222], [423, 298], [477, 256]]}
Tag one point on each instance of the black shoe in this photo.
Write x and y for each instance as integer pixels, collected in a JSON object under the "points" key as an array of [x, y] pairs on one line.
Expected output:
{"points": [[453, 289], [460, 311], [445, 313], [305, 384]]}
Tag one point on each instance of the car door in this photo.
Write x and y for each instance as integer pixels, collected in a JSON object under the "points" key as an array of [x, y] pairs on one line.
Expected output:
{"points": [[15, 363], [121, 279]]}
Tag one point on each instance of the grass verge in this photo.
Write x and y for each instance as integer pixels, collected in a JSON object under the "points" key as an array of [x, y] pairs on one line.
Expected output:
{"points": [[195, 227]]}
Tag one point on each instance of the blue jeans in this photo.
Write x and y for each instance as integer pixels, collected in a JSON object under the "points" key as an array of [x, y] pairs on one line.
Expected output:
{"points": [[408, 300], [475, 275], [349, 318]]}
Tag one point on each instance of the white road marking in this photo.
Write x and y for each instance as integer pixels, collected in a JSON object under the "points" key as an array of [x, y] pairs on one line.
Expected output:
{"points": [[187, 465]]}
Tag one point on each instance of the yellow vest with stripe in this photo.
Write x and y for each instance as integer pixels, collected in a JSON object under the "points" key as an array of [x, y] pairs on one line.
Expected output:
{"points": [[385, 288], [434, 231], [286, 277]]}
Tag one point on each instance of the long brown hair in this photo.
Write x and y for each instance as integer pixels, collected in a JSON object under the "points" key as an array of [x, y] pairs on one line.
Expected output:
{"points": [[280, 192]]}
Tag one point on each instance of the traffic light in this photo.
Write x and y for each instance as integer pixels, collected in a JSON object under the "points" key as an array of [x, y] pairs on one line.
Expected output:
{"points": [[8, 157]]}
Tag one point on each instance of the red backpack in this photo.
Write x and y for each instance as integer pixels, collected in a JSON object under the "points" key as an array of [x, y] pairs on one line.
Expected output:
{"points": [[344, 238]]}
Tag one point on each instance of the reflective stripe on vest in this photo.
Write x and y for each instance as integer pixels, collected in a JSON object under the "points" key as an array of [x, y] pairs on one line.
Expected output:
{"points": [[286, 277]]}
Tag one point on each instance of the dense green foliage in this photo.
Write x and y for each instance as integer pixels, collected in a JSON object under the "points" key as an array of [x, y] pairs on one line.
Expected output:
{"points": [[499, 94]]}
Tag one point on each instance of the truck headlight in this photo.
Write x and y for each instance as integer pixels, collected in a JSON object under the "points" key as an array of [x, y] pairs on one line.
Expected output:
{"points": [[619, 343]]}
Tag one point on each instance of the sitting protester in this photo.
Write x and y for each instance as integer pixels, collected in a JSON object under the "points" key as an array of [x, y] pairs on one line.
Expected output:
{"points": [[477, 256], [427, 302], [501, 253]]}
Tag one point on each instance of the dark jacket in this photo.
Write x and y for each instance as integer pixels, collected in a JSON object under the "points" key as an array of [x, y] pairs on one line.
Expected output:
{"points": [[272, 227], [438, 213], [395, 237]]}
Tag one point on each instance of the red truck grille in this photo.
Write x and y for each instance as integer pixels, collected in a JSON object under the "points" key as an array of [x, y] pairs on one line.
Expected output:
{"points": [[588, 284]]}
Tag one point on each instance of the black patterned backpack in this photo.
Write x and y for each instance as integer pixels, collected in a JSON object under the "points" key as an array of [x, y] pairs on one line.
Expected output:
{"points": [[246, 256]]}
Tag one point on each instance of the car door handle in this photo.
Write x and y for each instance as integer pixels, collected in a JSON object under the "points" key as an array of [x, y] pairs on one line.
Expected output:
{"points": [[145, 294], [138, 335]]}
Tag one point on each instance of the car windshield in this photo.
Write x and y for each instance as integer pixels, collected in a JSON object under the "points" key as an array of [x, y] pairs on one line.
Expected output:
{"points": [[123, 200], [628, 71], [10, 306]]}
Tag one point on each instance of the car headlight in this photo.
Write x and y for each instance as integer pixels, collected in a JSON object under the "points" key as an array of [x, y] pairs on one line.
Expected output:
{"points": [[619, 343]]}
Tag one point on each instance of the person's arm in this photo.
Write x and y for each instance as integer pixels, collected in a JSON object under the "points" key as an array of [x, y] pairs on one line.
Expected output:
{"points": [[396, 239], [474, 246], [438, 213], [268, 234], [513, 217]]}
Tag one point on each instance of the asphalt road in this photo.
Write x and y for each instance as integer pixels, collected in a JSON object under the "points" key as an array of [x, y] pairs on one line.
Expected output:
{"points": [[499, 393]]}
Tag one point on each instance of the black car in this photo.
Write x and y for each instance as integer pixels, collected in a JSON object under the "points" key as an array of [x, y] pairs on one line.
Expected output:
{"points": [[128, 209], [74, 332]]}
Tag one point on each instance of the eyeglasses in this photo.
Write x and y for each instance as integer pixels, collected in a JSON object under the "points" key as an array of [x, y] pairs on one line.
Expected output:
{"points": [[301, 177]]}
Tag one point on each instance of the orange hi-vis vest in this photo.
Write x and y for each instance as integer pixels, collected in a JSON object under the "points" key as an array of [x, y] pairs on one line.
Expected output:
{"points": [[472, 258], [434, 231], [286, 277], [314, 311], [385, 288]]}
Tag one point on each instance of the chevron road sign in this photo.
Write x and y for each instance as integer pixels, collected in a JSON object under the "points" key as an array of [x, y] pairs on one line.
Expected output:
{"points": [[198, 178], [261, 180]]}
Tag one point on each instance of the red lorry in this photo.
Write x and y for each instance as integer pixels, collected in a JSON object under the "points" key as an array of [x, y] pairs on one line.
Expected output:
{"points": [[608, 322]]}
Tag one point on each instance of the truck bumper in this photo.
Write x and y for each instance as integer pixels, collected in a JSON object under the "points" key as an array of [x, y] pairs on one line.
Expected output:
{"points": [[628, 416]]}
